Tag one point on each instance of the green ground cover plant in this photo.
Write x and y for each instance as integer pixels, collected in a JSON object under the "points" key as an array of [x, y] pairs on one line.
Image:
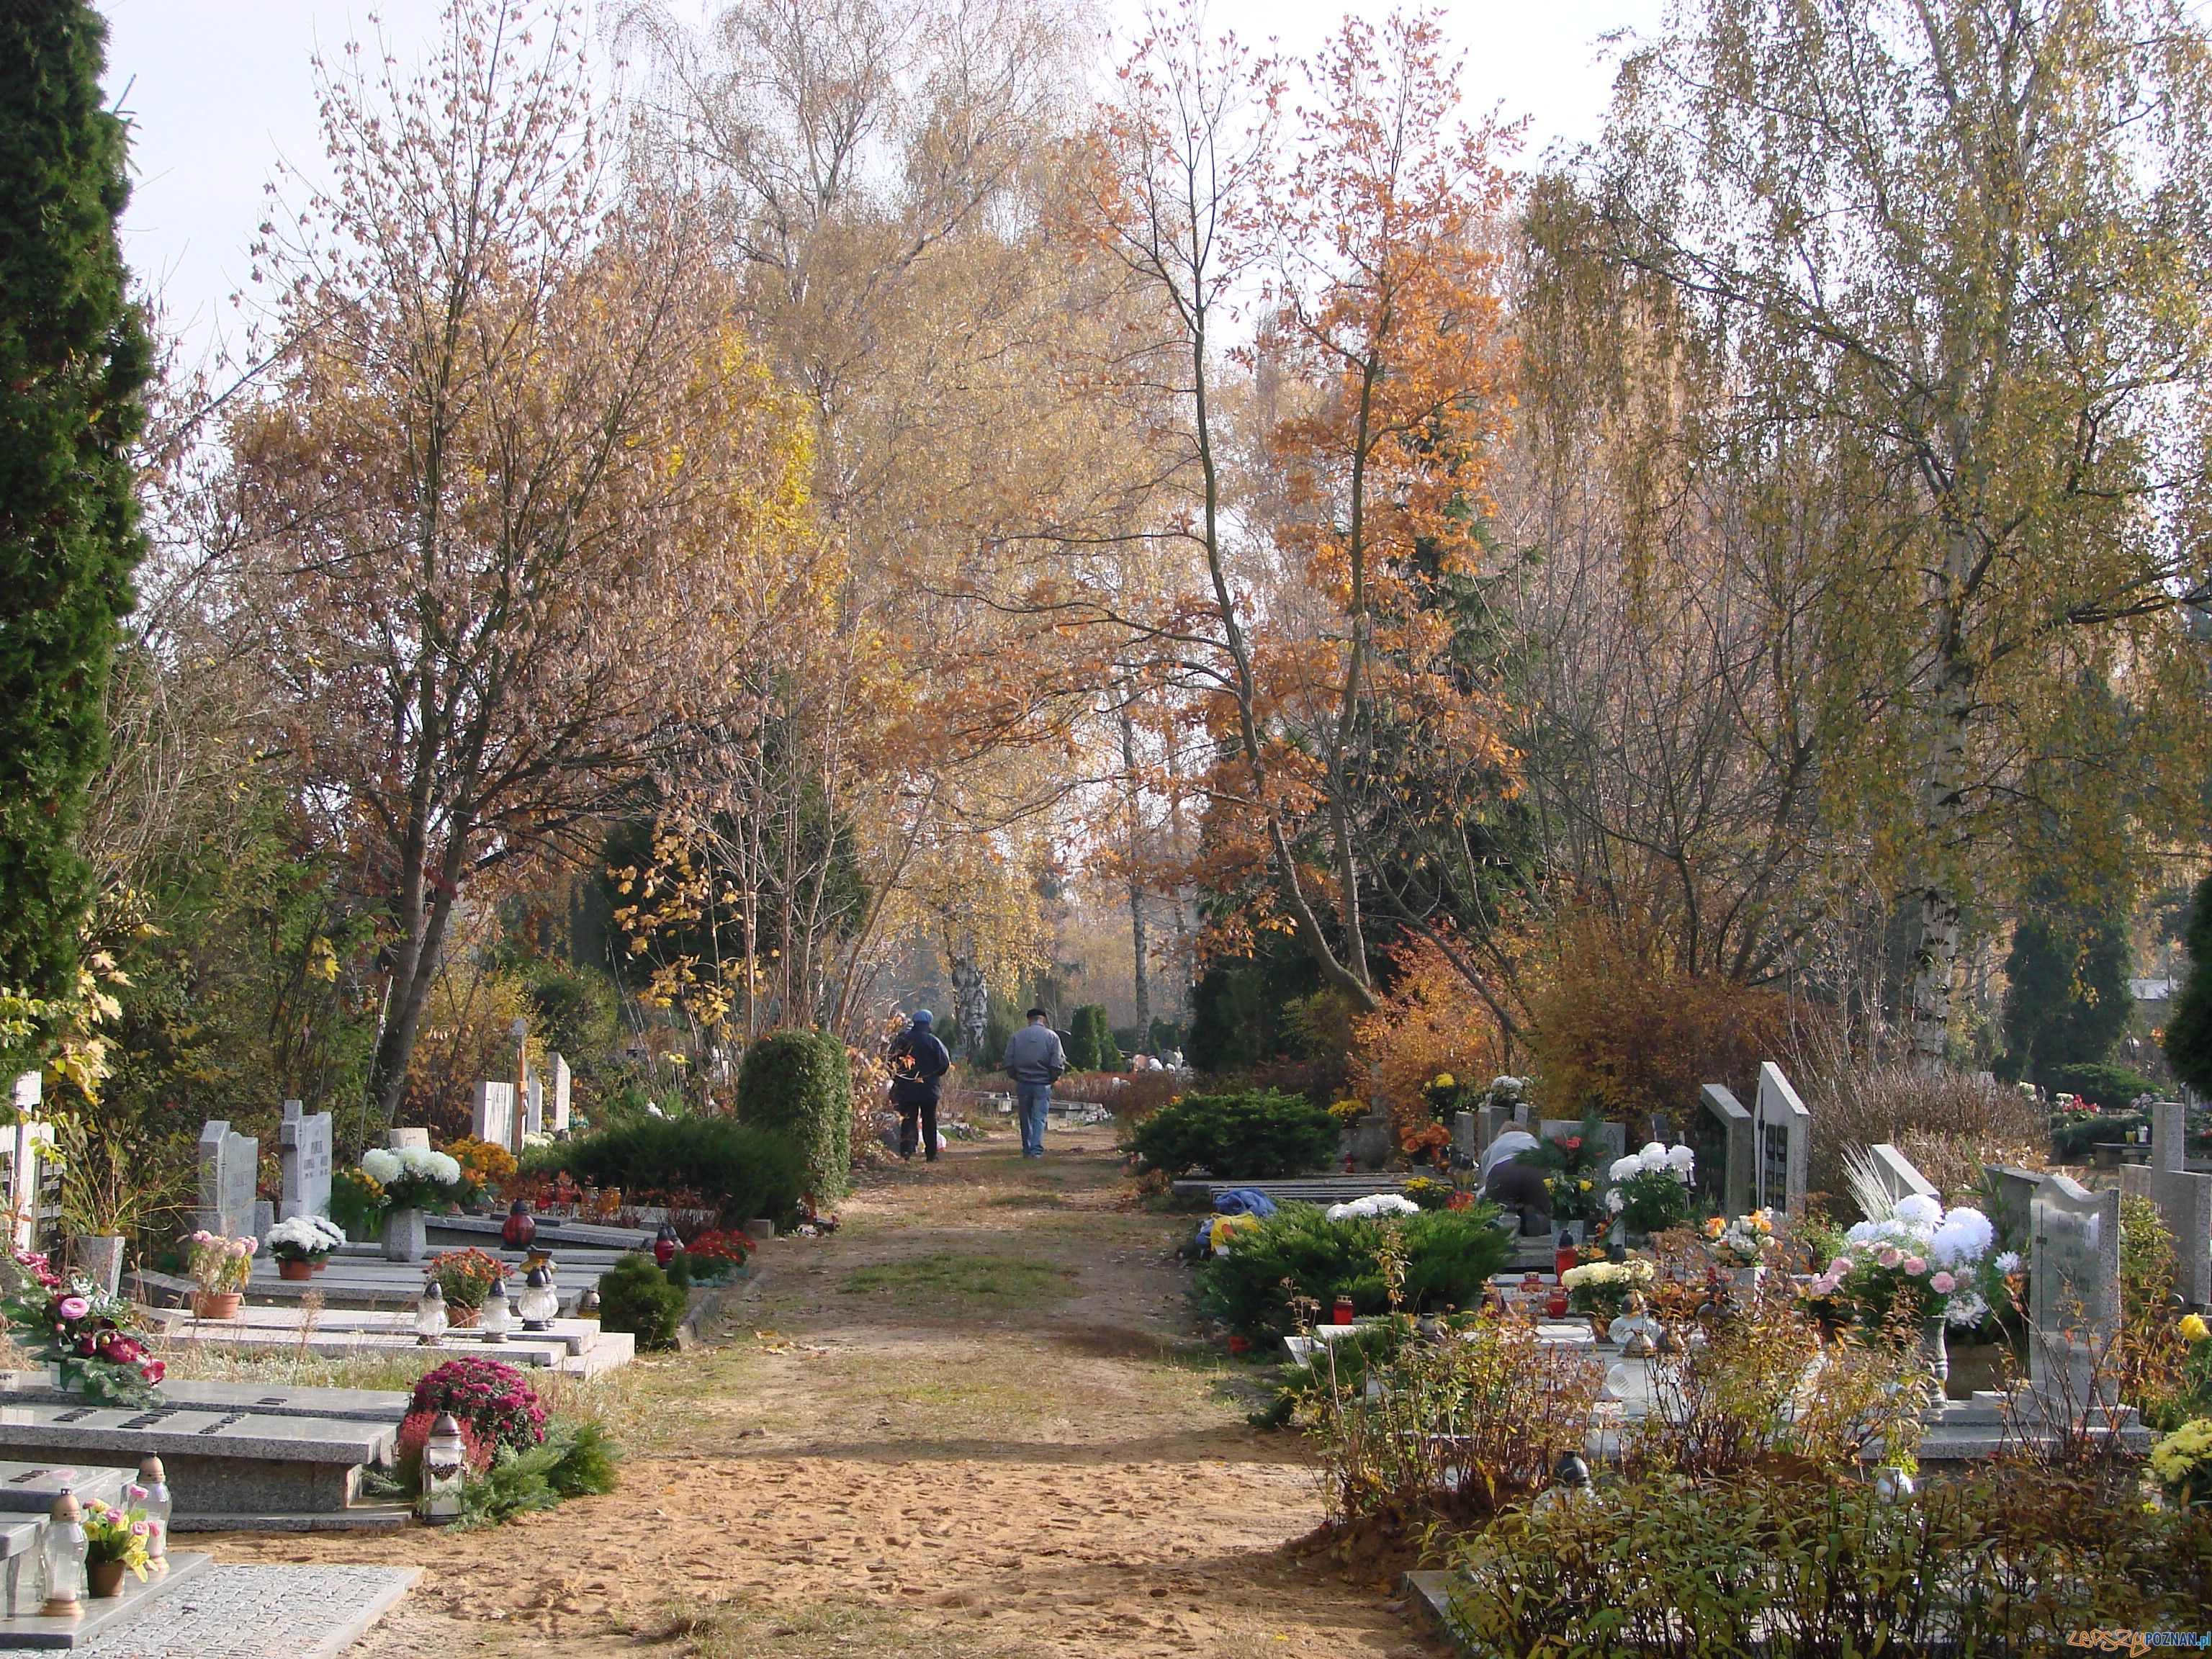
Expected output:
{"points": [[1298, 1255], [743, 1172], [1258, 1134]]}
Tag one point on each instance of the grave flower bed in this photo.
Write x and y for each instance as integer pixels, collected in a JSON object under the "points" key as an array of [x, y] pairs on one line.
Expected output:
{"points": [[488, 1394], [1650, 1189], [1920, 1262], [1299, 1255]]}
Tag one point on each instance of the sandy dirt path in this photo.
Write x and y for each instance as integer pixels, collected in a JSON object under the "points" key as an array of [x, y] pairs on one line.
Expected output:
{"points": [[973, 1421]]}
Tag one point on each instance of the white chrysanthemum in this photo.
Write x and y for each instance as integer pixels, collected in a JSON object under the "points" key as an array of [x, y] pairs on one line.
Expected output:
{"points": [[1862, 1233], [1625, 1168], [1373, 1207], [1682, 1160], [445, 1169], [1918, 1210], [2008, 1261], [1653, 1156], [382, 1164], [1964, 1236], [1614, 1201], [1966, 1308]]}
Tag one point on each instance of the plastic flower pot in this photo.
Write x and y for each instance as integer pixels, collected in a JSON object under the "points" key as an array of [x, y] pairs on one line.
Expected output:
{"points": [[106, 1577]]}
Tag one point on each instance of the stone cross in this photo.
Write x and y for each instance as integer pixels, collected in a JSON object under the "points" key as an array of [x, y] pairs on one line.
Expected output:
{"points": [[1782, 1133], [2184, 1199], [561, 1080], [533, 1108], [303, 1149], [228, 1166], [494, 1114], [1725, 1128], [2074, 1292]]}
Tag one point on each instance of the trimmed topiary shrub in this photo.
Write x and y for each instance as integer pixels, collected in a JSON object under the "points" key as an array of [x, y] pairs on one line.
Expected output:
{"points": [[635, 1295], [743, 1172], [1257, 1135], [799, 1084], [1297, 1252]]}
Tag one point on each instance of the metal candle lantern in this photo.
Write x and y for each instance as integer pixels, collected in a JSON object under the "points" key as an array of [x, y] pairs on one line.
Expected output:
{"points": [[63, 1552], [430, 1315], [538, 1303], [153, 1481], [445, 1470], [493, 1324]]}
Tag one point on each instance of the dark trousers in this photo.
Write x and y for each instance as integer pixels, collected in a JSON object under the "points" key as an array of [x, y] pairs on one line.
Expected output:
{"points": [[926, 1110]]}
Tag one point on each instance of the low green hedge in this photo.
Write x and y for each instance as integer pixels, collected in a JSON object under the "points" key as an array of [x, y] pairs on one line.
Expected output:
{"points": [[2072, 1138], [744, 1172], [1450, 1254], [1261, 1134], [798, 1083]]}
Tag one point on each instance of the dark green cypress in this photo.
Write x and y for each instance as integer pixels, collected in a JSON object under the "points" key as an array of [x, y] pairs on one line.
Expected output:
{"points": [[2189, 1021], [74, 359]]}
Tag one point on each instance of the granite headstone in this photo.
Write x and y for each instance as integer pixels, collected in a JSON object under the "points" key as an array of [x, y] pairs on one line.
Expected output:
{"points": [[229, 1164], [1782, 1131], [303, 1149]]}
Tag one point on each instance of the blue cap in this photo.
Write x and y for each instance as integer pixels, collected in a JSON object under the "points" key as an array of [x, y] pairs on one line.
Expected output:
{"points": [[922, 1016]]}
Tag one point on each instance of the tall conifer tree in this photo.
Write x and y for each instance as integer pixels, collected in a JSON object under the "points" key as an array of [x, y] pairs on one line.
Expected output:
{"points": [[74, 358]]}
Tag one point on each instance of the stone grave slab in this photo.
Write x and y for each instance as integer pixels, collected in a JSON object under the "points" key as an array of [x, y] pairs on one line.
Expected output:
{"points": [[28, 1491], [2183, 1198], [1722, 1138], [555, 1232], [563, 1084], [108, 1616], [229, 1164], [1782, 1132], [385, 1405], [303, 1149], [493, 1120], [233, 1461], [253, 1611]]}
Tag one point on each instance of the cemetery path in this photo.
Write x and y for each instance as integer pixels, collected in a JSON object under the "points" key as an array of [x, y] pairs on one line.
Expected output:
{"points": [[974, 1422]]}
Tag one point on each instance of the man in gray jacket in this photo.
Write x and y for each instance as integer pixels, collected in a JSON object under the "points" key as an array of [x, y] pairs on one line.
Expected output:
{"points": [[1034, 1061]]}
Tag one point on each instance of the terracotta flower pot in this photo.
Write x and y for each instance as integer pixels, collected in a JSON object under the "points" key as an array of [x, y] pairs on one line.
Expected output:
{"points": [[105, 1578], [462, 1319], [215, 1304], [319, 1264], [295, 1271]]}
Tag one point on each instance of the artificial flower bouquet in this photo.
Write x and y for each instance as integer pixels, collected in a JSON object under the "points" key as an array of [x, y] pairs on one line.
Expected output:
{"points": [[1650, 1189], [305, 1239], [1601, 1288], [88, 1335], [1747, 1242], [1444, 1094], [218, 1266], [117, 1535], [416, 1178], [1919, 1263]]}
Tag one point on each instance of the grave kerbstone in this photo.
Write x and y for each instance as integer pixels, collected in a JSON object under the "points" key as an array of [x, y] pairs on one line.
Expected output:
{"points": [[562, 1082], [2074, 1292], [2183, 1198], [233, 1462], [1782, 1134], [229, 1165], [494, 1119], [303, 1148], [1722, 1139]]}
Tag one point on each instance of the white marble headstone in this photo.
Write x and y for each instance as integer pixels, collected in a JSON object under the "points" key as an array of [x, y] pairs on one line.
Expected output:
{"points": [[533, 1108], [494, 1119], [562, 1080], [303, 1149]]}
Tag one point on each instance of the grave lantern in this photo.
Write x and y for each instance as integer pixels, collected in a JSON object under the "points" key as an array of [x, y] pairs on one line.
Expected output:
{"points": [[538, 1303], [153, 1481], [521, 1229], [62, 1552], [498, 1316], [430, 1315], [666, 1243], [445, 1471]]}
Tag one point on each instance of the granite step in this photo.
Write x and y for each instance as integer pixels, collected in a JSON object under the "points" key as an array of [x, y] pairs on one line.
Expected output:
{"points": [[240, 1611]]}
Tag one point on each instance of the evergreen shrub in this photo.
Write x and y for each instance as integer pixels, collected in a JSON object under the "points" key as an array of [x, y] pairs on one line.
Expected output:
{"points": [[746, 1172], [1297, 1253], [1260, 1134], [798, 1083], [636, 1296]]}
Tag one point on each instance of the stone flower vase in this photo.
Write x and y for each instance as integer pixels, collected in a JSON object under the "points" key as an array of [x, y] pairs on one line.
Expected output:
{"points": [[104, 1577], [1936, 1353], [406, 1236], [1746, 1280]]}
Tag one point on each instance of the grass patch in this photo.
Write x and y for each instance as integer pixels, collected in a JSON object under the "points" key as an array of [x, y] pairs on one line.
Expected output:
{"points": [[1027, 1202], [1009, 1281]]}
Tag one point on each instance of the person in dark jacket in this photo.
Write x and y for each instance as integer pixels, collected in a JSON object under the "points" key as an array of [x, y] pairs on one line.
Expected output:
{"points": [[919, 1064]]}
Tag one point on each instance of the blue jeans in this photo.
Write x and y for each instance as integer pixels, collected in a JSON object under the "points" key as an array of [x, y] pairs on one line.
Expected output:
{"points": [[1031, 1100]]}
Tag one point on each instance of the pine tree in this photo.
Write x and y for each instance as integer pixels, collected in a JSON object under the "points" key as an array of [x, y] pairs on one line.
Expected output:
{"points": [[2189, 1022], [73, 360]]}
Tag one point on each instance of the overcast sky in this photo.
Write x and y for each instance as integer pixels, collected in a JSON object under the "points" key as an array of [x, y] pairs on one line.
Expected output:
{"points": [[219, 88]]}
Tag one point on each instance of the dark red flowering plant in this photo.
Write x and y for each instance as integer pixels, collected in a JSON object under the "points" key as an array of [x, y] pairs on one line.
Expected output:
{"points": [[487, 1395], [89, 1335]]}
